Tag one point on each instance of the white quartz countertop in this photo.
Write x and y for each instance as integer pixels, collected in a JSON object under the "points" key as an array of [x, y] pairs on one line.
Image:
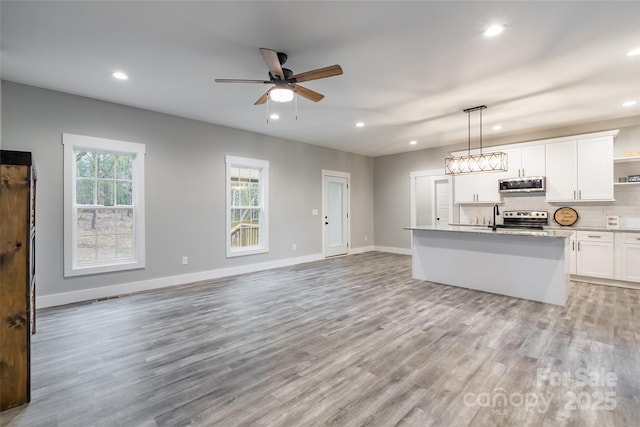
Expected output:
{"points": [[500, 231], [581, 228]]}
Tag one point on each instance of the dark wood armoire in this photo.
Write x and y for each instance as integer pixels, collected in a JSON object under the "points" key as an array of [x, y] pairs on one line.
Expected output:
{"points": [[17, 275]]}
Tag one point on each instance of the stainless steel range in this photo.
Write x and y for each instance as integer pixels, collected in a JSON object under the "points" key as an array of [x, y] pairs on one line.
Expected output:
{"points": [[525, 219]]}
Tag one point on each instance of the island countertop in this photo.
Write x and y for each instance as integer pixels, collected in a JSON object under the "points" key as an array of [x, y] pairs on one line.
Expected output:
{"points": [[500, 231]]}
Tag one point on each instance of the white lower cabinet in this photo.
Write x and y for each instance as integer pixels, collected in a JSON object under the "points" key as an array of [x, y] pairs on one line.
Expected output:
{"points": [[627, 260], [595, 254], [573, 254]]}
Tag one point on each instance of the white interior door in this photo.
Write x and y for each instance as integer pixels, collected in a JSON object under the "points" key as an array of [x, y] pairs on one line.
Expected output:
{"points": [[335, 213], [422, 200], [441, 201]]}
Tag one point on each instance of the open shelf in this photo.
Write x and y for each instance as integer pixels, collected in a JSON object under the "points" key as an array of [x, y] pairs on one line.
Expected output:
{"points": [[626, 183], [626, 159]]}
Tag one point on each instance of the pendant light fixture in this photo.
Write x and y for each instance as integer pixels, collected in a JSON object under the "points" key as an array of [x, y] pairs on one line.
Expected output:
{"points": [[473, 163]]}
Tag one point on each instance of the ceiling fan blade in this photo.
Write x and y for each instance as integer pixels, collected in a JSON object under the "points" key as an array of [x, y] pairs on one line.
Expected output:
{"points": [[308, 93], [263, 98], [241, 81], [271, 58], [320, 73]]}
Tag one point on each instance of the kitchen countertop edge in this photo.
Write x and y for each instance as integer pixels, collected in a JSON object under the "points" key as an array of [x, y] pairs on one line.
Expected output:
{"points": [[567, 228], [486, 230]]}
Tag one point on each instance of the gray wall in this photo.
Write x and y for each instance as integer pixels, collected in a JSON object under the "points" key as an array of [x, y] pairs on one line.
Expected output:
{"points": [[185, 176], [391, 173]]}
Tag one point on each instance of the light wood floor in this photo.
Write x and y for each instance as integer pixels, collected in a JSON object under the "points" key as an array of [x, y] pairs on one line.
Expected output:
{"points": [[346, 341]]}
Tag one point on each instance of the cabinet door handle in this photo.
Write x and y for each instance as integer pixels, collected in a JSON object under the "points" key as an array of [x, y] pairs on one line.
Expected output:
{"points": [[523, 175], [579, 194], [578, 246], [574, 194], [573, 246]]}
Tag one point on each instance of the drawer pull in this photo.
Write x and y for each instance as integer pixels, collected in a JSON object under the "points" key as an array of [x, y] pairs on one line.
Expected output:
{"points": [[594, 237]]}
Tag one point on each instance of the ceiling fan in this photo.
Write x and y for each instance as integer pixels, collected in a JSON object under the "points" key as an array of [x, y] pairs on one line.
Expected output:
{"points": [[284, 82]]}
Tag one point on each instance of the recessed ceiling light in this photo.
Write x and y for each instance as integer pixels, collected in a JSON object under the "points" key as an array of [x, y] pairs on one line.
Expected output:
{"points": [[360, 124], [120, 75], [414, 142], [497, 127], [494, 30], [629, 103], [634, 52], [274, 116]]}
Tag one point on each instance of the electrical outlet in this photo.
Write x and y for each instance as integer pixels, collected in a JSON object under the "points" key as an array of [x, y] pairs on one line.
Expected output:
{"points": [[314, 212], [185, 260], [366, 237], [293, 247]]}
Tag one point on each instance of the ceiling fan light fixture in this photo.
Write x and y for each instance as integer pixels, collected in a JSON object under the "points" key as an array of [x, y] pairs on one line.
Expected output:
{"points": [[281, 95]]}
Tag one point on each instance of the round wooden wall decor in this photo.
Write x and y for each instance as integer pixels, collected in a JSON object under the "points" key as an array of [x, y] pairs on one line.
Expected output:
{"points": [[565, 216]]}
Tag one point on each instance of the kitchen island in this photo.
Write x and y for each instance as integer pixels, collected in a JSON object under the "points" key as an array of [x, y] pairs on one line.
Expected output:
{"points": [[530, 264]]}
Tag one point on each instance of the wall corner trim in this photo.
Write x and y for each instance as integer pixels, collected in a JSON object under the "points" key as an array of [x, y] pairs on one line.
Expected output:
{"points": [[361, 250], [392, 250]]}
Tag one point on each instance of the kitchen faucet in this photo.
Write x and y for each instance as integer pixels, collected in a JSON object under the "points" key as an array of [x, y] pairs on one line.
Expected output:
{"points": [[495, 212]]}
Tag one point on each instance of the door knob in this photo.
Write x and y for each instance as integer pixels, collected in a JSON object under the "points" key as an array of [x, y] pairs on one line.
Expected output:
{"points": [[326, 223]]}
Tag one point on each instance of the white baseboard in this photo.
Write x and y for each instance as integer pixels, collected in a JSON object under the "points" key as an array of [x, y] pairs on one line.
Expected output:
{"points": [[392, 250], [363, 249], [606, 282], [163, 282]]}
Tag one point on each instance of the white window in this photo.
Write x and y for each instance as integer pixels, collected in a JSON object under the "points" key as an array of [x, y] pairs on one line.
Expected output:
{"points": [[103, 205], [247, 206]]}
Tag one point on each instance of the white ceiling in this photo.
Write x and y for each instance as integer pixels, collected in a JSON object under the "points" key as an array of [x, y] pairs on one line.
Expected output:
{"points": [[410, 68]]}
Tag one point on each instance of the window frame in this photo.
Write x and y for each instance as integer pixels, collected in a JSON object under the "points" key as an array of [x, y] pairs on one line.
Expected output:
{"points": [[263, 233], [72, 143]]}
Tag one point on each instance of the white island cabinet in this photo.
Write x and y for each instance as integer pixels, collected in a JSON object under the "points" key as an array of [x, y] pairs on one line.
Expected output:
{"points": [[526, 264]]}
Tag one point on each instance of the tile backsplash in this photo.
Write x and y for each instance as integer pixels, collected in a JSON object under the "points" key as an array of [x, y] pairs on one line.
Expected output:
{"points": [[626, 206]]}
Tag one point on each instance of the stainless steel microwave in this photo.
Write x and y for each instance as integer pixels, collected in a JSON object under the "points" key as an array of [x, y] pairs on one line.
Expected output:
{"points": [[532, 184]]}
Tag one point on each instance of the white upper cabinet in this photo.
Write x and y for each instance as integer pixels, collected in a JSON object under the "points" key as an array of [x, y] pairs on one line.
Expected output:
{"points": [[577, 169], [526, 161], [477, 188], [580, 170], [595, 168], [562, 171], [533, 161]]}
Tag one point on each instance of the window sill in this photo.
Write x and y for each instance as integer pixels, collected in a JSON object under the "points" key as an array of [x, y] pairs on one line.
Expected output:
{"points": [[103, 268], [242, 252]]}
